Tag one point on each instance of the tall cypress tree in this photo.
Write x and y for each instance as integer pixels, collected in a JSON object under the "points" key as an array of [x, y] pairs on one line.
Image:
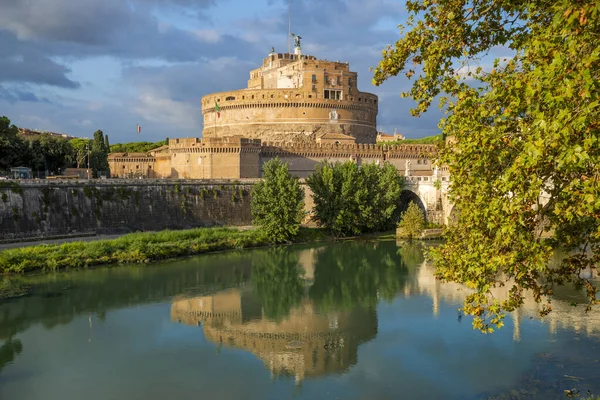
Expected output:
{"points": [[99, 155]]}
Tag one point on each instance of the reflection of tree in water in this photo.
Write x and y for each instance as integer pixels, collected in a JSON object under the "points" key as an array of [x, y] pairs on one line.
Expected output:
{"points": [[277, 281], [412, 253], [9, 350], [354, 274], [58, 298]]}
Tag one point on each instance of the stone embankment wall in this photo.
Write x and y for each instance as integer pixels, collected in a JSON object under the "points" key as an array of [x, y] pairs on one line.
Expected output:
{"points": [[62, 208]]}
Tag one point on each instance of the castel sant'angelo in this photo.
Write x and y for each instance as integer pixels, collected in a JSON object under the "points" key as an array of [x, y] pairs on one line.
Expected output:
{"points": [[296, 107]]}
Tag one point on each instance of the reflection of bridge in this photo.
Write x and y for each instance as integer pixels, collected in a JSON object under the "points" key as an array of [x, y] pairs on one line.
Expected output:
{"points": [[563, 314]]}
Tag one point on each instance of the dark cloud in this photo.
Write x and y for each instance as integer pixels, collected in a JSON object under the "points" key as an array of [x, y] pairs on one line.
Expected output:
{"points": [[35, 69], [23, 62], [13, 95], [91, 22], [118, 28]]}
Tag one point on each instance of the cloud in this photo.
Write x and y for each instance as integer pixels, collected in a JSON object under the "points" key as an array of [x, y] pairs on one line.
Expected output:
{"points": [[173, 52], [13, 95], [26, 62]]}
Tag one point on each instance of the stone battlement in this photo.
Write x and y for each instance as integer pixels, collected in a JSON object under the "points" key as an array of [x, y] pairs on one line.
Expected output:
{"points": [[238, 157], [327, 149]]}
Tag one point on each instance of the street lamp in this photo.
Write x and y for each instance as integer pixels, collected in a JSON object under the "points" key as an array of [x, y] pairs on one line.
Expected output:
{"points": [[87, 148]]}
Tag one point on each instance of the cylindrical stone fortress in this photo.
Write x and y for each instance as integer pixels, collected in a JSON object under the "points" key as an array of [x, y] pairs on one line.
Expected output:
{"points": [[293, 98]]}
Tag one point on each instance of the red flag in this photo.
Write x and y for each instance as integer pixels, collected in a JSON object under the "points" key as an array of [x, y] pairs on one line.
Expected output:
{"points": [[139, 128]]}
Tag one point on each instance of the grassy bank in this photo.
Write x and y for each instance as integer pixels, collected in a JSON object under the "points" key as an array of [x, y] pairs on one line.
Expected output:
{"points": [[137, 248]]}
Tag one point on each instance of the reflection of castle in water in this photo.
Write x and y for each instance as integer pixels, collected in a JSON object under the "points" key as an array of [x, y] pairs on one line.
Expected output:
{"points": [[563, 314], [304, 344]]}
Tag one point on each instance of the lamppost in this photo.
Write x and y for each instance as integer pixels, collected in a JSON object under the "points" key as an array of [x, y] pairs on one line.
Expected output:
{"points": [[87, 148]]}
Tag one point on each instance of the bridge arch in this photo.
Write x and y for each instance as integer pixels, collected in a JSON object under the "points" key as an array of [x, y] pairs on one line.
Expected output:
{"points": [[406, 196]]}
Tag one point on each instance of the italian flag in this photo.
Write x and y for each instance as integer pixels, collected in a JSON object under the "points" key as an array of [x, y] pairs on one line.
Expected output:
{"points": [[218, 109], [139, 128]]}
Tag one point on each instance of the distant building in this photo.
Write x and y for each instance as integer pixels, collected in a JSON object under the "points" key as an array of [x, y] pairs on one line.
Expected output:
{"points": [[383, 137], [34, 132]]}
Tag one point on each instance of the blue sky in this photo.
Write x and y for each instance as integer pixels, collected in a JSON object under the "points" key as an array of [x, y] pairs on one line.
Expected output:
{"points": [[77, 66]]}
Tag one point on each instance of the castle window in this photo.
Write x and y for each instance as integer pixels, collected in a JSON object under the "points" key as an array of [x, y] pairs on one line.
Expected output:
{"points": [[137, 167], [314, 78], [314, 88], [243, 97], [310, 96], [332, 94], [229, 98], [252, 97], [123, 167]]}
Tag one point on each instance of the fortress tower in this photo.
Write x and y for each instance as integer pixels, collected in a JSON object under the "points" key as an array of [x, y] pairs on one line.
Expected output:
{"points": [[294, 98]]}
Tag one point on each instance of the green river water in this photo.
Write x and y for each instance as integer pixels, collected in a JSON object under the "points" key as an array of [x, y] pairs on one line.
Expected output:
{"points": [[349, 320]]}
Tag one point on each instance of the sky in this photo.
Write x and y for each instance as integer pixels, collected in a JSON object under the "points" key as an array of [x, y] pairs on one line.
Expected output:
{"points": [[77, 66]]}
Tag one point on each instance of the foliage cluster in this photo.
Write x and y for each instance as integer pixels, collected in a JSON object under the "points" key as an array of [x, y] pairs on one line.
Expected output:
{"points": [[46, 152], [350, 200], [136, 147], [412, 222], [136, 248], [278, 203], [525, 151], [436, 139]]}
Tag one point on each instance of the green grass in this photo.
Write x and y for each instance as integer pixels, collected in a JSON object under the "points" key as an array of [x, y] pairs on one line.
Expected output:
{"points": [[137, 248]]}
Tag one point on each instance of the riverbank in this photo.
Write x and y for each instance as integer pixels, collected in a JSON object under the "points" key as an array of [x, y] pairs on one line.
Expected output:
{"points": [[137, 248]]}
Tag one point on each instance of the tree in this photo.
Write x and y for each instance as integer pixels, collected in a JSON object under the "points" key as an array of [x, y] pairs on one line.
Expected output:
{"points": [[50, 153], [277, 280], [379, 209], [99, 154], [350, 200], [524, 158], [412, 222], [80, 150], [278, 202], [13, 149], [136, 147]]}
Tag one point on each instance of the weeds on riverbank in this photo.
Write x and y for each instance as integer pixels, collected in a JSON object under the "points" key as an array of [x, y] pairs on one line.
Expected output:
{"points": [[137, 248]]}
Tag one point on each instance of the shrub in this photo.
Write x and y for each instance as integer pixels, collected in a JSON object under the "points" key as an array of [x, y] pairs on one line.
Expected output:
{"points": [[350, 200], [278, 203], [412, 222]]}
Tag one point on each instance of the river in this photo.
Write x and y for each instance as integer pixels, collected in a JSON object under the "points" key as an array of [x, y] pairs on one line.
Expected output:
{"points": [[348, 320]]}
